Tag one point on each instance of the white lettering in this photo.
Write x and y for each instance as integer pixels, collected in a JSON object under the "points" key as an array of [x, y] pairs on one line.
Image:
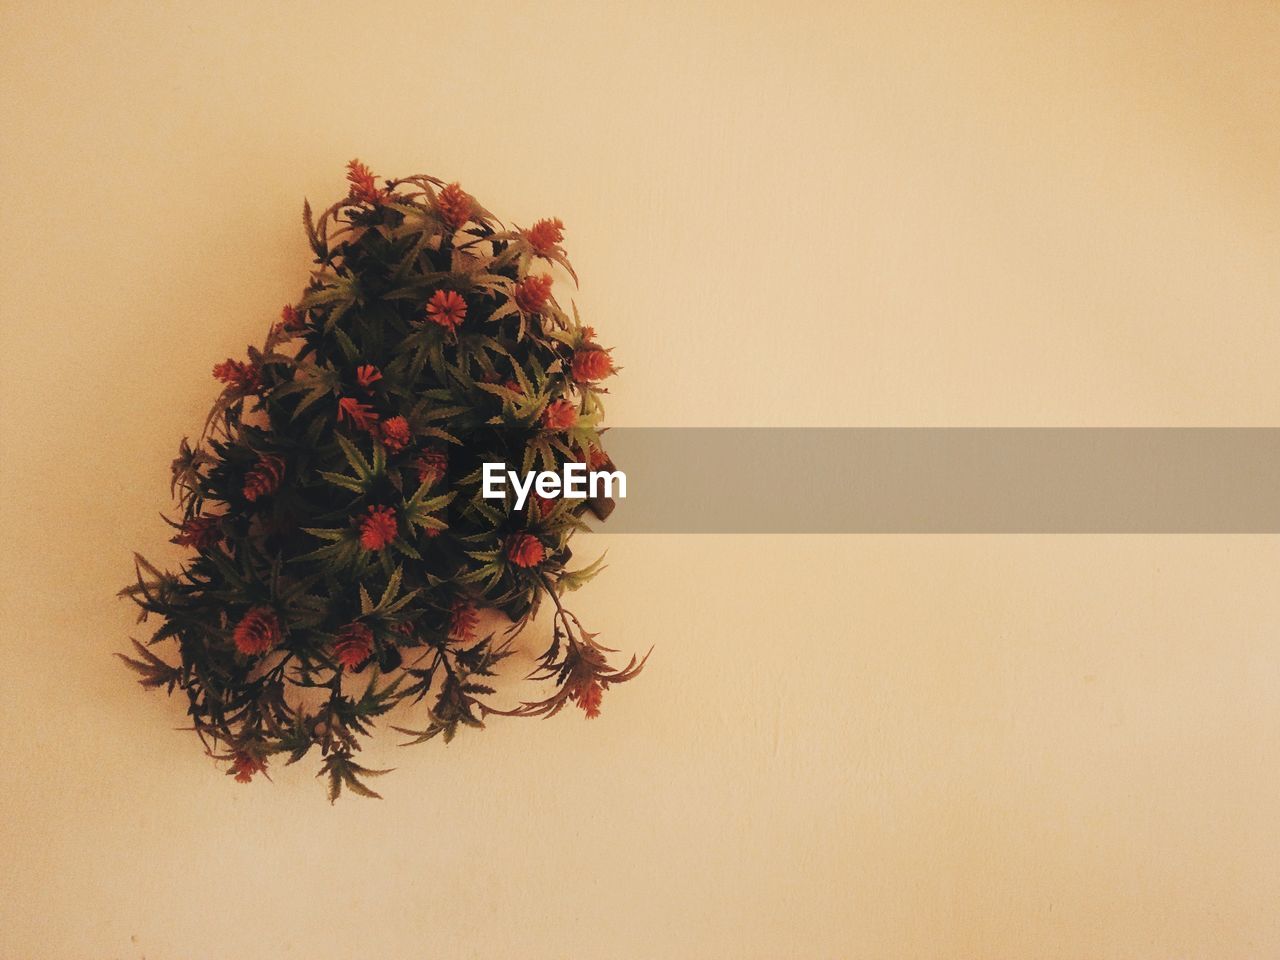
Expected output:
{"points": [[548, 484], [494, 473], [574, 481], [575, 477], [522, 490], [608, 478]]}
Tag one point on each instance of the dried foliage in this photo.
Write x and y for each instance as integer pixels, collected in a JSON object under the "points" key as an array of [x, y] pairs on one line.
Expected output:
{"points": [[333, 502]]}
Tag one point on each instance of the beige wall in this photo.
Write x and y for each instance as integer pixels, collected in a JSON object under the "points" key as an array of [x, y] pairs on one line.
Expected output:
{"points": [[1055, 213]]}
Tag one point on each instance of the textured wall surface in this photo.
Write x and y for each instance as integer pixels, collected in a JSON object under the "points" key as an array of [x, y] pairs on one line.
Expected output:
{"points": [[1060, 213]]}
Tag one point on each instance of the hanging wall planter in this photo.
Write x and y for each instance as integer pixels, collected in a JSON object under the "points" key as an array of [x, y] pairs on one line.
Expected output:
{"points": [[341, 545]]}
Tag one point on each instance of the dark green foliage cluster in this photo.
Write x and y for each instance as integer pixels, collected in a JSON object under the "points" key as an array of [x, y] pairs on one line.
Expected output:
{"points": [[342, 547]]}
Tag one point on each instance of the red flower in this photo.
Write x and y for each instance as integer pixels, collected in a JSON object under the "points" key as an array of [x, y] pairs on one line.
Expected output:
{"points": [[291, 319], [532, 293], [360, 414], [447, 308], [588, 697], [455, 205], [544, 236], [591, 363], [395, 434], [368, 375], [238, 375], [257, 632], [200, 532], [595, 458], [544, 504], [244, 766], [353, 646], [463, 618], [431, 465], [363, 187], [378, 529], [560, 415], [525, 550], [264, 479]]}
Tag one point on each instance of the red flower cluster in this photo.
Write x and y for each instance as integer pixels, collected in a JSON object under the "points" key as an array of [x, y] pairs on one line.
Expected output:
{"points": [[544, 236], [378, 529], [201, 532], [238, 375], [560, 415], [291, 319], [588, 697], [532, 293], [525, 550], [455, 205], [591, 363], [257, 632], [463, 618], [447, 308], [363, 186], [363, 416], [395, 434], [264, 478], [243, 767], [431, 465], [595, 458], [367, 375], [353, 646]]}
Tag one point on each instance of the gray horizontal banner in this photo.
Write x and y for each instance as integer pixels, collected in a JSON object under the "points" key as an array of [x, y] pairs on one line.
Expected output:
{"points": [[947, 480]]}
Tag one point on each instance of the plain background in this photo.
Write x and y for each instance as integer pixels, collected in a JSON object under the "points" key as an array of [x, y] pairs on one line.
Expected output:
{"points": [[899, 213]]}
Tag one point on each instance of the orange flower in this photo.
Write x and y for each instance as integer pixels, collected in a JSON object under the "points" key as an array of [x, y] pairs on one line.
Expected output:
{"points": [[395, 434], [363, 187], [588, 697], [243, 767], [257, 632], [200, 532], [238, 375], [560, 415], [353, 646], [378, 529], [525, 550], [291, 319], [532, 293], [544, 236], [367, 375], [447, 308], [431, 465], [455, 205], [590, 364], [264, 478], [360, 414], [463, 618], [595, 458]]}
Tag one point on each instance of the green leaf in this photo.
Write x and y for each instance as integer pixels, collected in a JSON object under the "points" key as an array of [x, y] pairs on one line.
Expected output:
{"points": [[342, 480], [354, 457], [576, 579]]}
